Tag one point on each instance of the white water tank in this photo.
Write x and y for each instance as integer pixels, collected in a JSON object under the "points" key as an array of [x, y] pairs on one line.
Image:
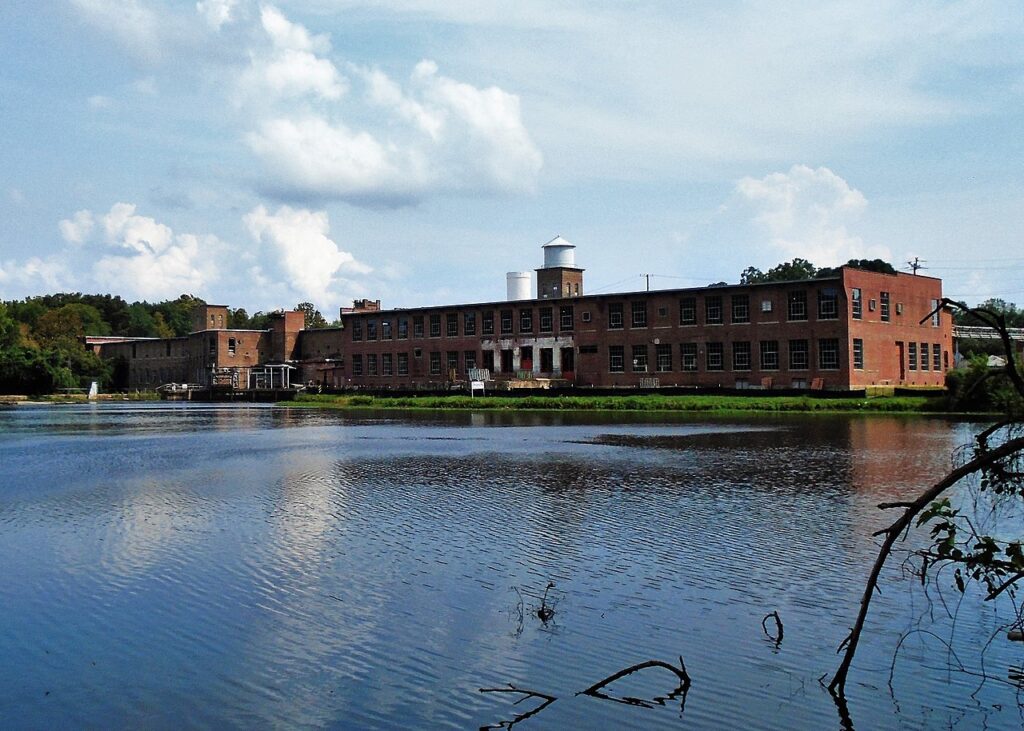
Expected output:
{"points": [[559, 253], [518, 284]]}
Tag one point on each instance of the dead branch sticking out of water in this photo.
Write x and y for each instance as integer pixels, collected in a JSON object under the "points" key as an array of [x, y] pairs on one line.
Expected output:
{"points": [[544, 612], [777, 637], [679, 692], [595, 691], [526, 694]]}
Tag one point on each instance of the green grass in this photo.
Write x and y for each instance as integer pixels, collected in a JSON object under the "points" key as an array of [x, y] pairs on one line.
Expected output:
{"points": [[695, 403]]}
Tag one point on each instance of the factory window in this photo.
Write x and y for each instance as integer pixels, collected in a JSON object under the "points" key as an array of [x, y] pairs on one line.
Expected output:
{"points": [[506, 322], [688, 311], [858, 354], [435, 363], [403, 328], [740, 308], [385, 330], [688, 356], [489, 360], [828, 354], [371, 330], [871, 305], [884, 300], [614, 315], [663, 357], [213, 348], [469, 323], [741, 356], [639, 312], [856, 304], [469, 358], [452, 360], [403, 364], [899, 308], [526, 321], [615, 359], [565, 317], [417, 326], [435, 325], [798, 305], [232, 346], [713, 310], [487, 326], [769, 355], [714, 357], [585, 316], [912, 356], [662, 312], [639, 358], [766, 305], [371, 364], [547, 323], [924, 356], [798, 360], [568, 289], [417, 352], [935, 314], [828, 303], [387, 365], [936, 357], [452, 325]]}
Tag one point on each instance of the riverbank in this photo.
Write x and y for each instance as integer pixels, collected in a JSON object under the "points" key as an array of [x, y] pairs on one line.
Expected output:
{"points": [[76, 398], [650, 402]]}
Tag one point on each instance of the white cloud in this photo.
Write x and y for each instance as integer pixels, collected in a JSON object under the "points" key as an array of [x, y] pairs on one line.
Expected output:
{"points": [[438, 135], [99, 101], [216, 12], [311, 263], [806, 211], [48, 273], [151, 261], [145, 86], [76, 229], [288, 67], [136, 25]]}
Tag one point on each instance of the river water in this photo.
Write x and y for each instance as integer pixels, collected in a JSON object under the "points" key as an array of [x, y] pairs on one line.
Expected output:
{"points": [[170, 566]]}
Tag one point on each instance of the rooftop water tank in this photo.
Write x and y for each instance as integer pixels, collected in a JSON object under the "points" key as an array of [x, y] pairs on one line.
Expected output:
{"points": [[559, 253], [518, 284]]}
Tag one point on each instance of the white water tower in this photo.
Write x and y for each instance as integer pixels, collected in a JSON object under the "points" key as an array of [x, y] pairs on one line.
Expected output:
{"points": [[559, 253], [518, 286]]}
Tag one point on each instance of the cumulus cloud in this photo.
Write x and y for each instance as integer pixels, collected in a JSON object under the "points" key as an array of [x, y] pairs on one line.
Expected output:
{"points": [[806, 211], [76, 229], [216, 12], [50, 273], [437, 135], [288, 67], [148, 260], [310, 261], [136, 25]]}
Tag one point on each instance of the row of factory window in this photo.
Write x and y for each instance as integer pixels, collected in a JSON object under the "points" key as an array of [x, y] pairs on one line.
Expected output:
{"points": [[927, 357], [430, 325], [719, 356], [712, 312], [397, 364]]}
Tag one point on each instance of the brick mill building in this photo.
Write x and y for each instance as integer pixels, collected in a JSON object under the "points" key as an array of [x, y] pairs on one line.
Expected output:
{"points": [[851, 330]]}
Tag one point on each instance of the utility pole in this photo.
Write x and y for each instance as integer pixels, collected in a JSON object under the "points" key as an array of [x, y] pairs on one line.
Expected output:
{"points": [[648, 277], [916, 264]]}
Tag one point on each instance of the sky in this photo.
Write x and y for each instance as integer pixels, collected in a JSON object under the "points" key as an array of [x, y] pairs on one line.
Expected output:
{"points": [[414, 151]]}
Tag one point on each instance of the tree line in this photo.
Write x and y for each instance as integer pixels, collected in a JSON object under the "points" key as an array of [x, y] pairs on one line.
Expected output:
{"points": [[42, 347]]}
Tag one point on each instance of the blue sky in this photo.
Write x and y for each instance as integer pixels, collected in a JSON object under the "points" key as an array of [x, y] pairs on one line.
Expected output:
{"points": [[261, 154]]}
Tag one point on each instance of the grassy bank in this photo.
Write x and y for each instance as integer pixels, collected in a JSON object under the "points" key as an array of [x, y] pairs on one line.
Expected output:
{"points": [[695, 403], [78, 398]]}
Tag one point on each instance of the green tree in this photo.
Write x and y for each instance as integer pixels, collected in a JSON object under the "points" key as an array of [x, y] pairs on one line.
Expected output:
{"points": [[10, 332], [785, 272], [70, 322], [313, 318], [178, 313]]}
